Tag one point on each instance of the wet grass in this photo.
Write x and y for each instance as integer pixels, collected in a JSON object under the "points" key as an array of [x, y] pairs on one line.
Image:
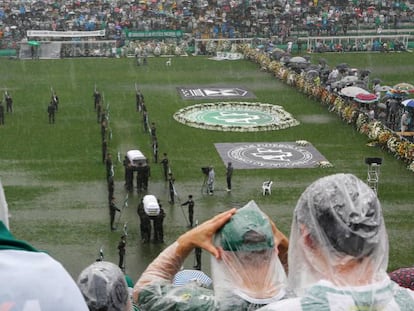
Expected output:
{"points": [[55, 180]]}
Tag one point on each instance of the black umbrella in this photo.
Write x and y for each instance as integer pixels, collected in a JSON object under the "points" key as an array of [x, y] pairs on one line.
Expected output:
{"points": [[342, 66], [376, 81], [322, 61]]}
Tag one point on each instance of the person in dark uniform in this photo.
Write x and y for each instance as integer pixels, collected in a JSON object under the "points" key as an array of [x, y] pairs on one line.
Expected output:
{"points": [[111, 188], [109, 165], [129, 174], [121, 251], [146, 173], [197, 253], [229, 174], [104, 150], [139, 99], [165, 166], [112, 211], [171, 189], [145, 121], [96, 98], [98, 112], [51, 112], [155, 149], [55, 101], [144, 107], [140, 178], [190, 203], [103, 116], [9, 102], [153, 131], [145, 223], [159, 226], [1, 113], [104, 129]]}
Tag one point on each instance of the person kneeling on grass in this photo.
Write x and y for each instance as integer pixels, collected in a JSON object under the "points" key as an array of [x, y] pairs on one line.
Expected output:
{"points": [[246, 270]]}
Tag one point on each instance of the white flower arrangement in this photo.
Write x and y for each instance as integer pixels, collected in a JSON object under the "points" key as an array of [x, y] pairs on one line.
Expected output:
{"points": [[282, 119], [302, 143], [374, 130], [324, 164], [411, 167]]}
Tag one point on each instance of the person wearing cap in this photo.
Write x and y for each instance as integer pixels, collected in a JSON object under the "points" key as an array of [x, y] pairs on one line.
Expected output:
{"points": [[104, 287], [32, 279], [338, 251], [190, 203], [246, 270]]}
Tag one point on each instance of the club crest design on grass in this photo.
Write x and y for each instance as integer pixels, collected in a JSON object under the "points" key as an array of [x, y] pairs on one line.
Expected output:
{"points": [[271, 155], [236, 117]]}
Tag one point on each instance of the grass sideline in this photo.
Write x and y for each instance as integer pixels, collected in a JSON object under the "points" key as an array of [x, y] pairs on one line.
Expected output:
{"points": [[54, 178]]}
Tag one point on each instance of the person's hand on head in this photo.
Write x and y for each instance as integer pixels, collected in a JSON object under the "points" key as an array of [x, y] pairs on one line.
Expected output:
{"points": [[282, 244], [202, 235]]}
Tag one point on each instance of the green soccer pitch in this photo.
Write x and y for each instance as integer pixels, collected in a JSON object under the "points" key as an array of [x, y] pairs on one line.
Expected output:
{"points": [[54, 178]]}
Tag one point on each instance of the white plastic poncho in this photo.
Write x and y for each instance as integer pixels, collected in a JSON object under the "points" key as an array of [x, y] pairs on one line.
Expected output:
{"points": [[249, 270], [338, 234], [104, 287]]}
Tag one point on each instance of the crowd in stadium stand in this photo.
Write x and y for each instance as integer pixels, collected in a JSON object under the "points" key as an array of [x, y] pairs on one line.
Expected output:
{"points": [[203, 18]]}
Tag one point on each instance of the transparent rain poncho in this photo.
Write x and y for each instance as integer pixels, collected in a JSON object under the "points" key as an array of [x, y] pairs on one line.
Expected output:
{"points": [[104, 287], [248, 275], [338, 234], [249, 271]]}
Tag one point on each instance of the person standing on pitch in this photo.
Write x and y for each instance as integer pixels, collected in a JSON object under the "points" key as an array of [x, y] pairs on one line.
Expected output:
{"points": [[51, 109], [190, 203], [112, 211], [155, 149], [1, 113], [9, 102], [165, 166], [171, 189], [121, 251], [210, 181], [229, 174]]}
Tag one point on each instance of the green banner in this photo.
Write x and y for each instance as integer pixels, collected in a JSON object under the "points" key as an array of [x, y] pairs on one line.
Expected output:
{"points": [[154, 34]]}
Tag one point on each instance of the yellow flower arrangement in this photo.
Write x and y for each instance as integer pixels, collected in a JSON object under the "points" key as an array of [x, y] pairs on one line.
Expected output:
{"points": [[386, 138]]}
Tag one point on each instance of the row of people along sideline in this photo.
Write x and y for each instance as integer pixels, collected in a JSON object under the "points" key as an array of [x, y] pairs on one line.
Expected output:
{"points": [[335, 259]]}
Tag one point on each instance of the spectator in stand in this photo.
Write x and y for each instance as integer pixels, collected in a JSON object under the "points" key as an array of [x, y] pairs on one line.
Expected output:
{"points": [[246, 270], [338, 252], [31, 279], [104, 287]]}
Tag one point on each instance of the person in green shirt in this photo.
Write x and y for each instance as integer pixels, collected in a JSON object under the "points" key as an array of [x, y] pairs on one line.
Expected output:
{"points": [[247, 271], [31, 279], [338, 251]]}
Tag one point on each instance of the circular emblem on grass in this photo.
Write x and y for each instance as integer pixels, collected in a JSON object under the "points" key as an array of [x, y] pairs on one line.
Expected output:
{"points": [[271, 155], [236, 116]]}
